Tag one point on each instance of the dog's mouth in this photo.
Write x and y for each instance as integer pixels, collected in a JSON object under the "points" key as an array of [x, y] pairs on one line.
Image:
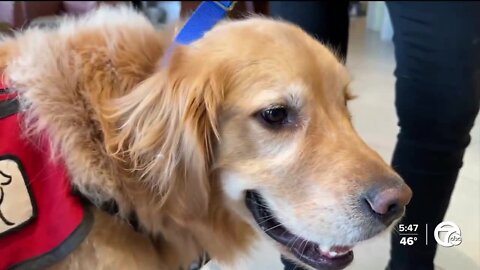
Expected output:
{"points": [[310, 253]]}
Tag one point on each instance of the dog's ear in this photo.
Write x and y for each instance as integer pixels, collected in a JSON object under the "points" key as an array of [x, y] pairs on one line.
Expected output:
{"points": [[165, 129]]}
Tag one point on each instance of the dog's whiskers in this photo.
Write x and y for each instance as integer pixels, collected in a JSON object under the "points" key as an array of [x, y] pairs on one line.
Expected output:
{"points": [[266, 218], [305, 242], [288, 244], [276, 226], [259, 204]]}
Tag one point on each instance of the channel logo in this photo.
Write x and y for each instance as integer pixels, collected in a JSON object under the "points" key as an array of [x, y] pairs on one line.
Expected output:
{"points": [[448, 234]]}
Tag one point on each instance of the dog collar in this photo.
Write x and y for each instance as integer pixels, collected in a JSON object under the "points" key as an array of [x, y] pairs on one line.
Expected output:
{"points": [[202, 20]]}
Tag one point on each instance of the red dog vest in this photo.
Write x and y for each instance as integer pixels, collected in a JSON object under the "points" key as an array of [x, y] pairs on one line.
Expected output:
{"points": [[41, 220]]}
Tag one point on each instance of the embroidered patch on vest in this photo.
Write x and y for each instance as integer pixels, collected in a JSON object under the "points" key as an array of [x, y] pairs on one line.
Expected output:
{"points": [[17, 207]]}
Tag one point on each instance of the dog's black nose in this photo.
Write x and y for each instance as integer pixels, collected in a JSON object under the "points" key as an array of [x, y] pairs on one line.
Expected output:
{"points": [[388, 202]]}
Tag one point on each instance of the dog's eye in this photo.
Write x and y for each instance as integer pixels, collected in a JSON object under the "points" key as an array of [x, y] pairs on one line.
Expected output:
{"points": [[275, 116]]}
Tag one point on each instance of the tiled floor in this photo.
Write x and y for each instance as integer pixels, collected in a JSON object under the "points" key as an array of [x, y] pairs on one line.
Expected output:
{"points": [[371, 63]]}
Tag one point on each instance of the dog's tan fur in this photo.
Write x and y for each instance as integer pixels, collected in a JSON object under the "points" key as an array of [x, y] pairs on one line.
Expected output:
{"points": [[177, 144]]}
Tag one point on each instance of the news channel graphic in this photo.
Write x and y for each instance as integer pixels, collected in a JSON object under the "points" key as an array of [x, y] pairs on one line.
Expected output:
{"points": [[446, 234]]}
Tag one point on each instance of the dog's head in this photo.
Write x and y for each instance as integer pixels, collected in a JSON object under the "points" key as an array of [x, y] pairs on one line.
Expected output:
{"points": [[264, 106]]}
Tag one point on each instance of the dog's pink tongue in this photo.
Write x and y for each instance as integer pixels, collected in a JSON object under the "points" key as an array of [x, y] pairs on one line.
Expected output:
{"points": [[336, 251], [341, 249]]}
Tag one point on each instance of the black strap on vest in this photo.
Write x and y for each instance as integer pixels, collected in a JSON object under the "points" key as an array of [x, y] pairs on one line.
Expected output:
{"points": [[111, 207]]}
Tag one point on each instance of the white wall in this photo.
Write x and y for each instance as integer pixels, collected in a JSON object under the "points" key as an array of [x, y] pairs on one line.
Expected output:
{"points": [[378, 19]]}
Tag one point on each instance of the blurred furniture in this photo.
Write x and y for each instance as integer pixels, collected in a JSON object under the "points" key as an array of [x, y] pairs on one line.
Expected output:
{"points": [[241, 8], [19, 14], [154, 11], [5, 29]]}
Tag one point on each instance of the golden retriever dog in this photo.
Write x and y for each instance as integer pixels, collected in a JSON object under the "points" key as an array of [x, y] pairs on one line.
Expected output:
{"points": [[244, 135]]}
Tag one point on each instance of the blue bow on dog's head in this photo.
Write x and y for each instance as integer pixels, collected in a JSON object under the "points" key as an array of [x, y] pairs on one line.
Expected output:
{"points": [[205, 17]]}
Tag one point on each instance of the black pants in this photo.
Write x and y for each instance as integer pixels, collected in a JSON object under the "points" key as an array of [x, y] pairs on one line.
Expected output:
{"points": [[325, 20], [437, 95]]}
